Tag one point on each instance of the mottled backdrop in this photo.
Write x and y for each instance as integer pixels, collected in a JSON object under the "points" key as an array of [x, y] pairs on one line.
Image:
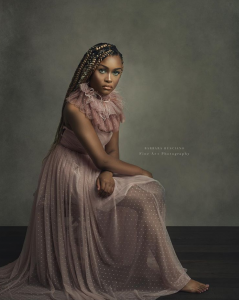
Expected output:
{"points": [[180, 87]]}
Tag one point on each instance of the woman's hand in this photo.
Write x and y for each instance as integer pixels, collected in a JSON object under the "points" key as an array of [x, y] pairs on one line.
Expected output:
{"points": [[105, 184], [147, 173]]}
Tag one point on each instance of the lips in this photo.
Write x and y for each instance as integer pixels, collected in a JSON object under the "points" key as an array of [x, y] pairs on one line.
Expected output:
{"points": [[107, 87]]}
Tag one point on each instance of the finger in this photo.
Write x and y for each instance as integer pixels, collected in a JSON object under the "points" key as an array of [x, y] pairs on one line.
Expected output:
{"points": [[112, 190], [98, 183], [108, 188], [102, 186]]}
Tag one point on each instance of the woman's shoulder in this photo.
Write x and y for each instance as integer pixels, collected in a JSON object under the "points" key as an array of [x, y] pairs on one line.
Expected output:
{"points": [[66, 113]]}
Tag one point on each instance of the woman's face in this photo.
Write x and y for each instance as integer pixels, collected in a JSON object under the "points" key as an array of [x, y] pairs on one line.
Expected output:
{"points": [[107, 73]]}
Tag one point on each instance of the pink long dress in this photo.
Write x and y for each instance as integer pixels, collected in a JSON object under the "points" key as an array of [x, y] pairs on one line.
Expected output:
{"points": [[81, 246]]}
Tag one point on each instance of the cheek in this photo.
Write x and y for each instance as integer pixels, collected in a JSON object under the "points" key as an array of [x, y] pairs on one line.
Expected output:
{"points": [[95, 77]]}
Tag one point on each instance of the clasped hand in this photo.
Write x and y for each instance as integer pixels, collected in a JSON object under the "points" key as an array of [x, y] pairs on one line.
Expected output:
{"points": [[105, 184]]}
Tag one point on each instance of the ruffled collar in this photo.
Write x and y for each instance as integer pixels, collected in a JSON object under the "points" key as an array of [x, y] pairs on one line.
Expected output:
{"points": [[105, 112], [91, 92]]}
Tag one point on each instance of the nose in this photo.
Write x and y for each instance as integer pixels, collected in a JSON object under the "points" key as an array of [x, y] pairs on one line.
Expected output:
{"points": [[108, 77]]}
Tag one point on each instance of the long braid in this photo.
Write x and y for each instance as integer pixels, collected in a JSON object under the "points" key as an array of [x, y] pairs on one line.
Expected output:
{"points": [[90, 61]]}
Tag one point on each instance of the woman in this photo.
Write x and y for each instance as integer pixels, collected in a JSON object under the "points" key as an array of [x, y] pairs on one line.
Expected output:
{"points": [[97, 227]]}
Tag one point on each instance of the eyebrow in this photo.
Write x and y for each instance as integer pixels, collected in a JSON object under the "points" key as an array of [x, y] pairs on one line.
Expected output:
{"points": [[108, 68]]}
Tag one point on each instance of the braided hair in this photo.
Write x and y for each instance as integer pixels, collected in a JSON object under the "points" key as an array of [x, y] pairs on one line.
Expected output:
{"points": [[90, 61]]}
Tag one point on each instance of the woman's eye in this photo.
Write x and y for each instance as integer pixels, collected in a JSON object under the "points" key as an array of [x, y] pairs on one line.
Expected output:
{"points": [[101, 70]]}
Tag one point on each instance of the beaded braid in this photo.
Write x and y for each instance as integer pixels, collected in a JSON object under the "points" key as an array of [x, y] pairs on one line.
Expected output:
{"points": [[90, 61]]}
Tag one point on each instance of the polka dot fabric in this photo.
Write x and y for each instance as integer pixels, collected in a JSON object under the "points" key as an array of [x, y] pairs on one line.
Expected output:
{"points": [[81, 246]]}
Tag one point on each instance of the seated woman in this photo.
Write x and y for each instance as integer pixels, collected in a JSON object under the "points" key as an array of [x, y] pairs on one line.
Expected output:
{"points": [[97, 227]]}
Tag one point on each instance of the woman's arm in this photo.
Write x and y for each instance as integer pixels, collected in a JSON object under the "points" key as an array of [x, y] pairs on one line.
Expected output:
{"points": [[112, 148], [86, 134]]}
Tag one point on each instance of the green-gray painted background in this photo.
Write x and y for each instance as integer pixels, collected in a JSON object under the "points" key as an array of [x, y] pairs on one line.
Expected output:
{"points": [[180, 87]]}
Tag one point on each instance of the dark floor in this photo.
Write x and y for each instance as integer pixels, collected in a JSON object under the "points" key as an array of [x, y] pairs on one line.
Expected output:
{"points": [[211, 255]]}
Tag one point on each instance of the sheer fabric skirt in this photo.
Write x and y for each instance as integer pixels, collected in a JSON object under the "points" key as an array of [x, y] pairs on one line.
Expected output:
{"points": [[81, 246]]}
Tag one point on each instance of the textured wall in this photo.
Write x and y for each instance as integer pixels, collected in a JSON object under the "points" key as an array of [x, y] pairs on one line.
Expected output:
{"points": [[180, 86]]}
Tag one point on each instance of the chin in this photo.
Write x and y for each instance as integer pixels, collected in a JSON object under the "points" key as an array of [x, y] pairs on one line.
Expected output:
{"points": [[106, 92]]}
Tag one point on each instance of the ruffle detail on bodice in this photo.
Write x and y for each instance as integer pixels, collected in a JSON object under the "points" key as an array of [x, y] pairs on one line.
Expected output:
{"points": [[105, 112]]}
